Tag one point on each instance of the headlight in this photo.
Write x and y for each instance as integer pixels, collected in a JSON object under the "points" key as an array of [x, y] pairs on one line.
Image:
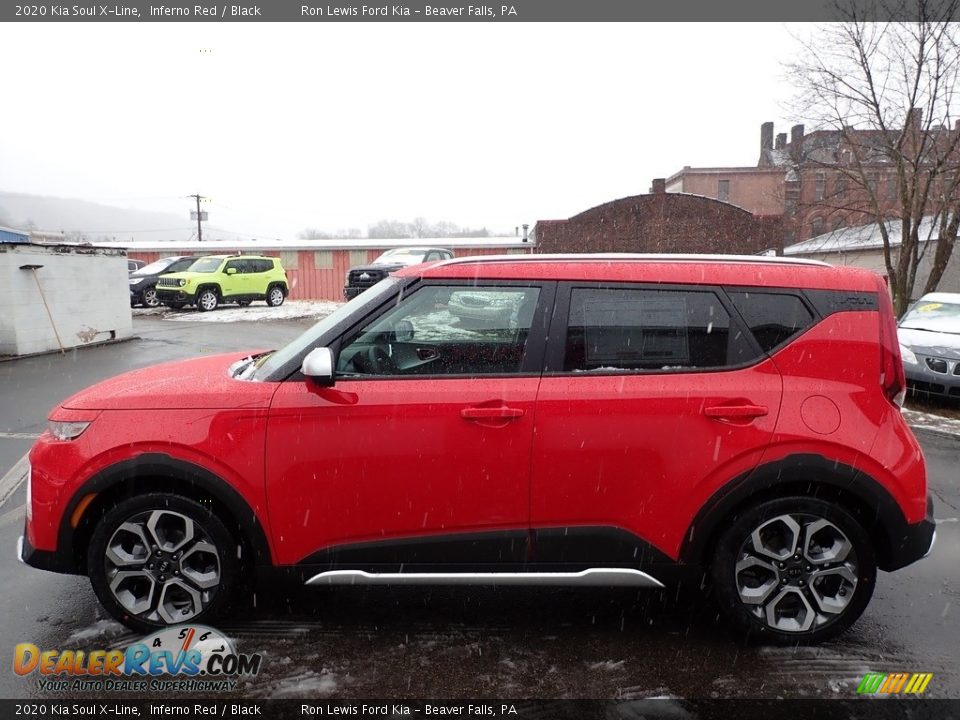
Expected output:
{"points": [[67, 430], [134, 281], [181, 282], [909, 357]]}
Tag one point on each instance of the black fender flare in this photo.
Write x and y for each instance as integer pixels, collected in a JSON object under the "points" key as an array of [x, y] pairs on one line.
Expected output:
{"points": [[167, 472], [804, 474]]}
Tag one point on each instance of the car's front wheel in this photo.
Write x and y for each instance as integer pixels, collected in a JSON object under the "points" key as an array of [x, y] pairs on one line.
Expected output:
{"points": [[160, 559], [794, 570], [275, 296], [149, 297], [207, 300]]}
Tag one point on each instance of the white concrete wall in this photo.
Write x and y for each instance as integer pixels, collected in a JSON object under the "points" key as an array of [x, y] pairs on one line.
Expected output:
{"points": [[873, 260], [86, 290]]}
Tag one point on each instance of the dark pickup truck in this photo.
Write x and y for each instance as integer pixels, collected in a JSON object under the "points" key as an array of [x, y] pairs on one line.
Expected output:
{"points": [[361, 277]]}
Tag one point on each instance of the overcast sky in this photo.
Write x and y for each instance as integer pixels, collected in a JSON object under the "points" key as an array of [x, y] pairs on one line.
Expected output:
{"points": [[338, 125]]}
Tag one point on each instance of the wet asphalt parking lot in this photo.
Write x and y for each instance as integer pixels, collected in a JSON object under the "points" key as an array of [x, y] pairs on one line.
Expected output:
{"points": [[473, 642]]}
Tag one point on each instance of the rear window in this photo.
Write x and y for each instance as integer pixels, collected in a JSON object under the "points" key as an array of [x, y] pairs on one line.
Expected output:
{"points": [[614, 329], [773, 318]]}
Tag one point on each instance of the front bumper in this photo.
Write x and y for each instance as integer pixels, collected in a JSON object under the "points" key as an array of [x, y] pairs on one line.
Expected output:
{"points": [[922, 379], [44, 559], [169, 295]]}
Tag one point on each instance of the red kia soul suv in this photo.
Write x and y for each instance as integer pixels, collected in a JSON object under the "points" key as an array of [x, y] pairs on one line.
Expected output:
{"points": [[616, 420]]}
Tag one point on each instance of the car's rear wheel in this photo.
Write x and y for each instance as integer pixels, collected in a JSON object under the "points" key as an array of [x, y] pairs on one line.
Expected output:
{"points": [[794, 570], [160, 559], [275, 296], [149, 297], [207, 300]]}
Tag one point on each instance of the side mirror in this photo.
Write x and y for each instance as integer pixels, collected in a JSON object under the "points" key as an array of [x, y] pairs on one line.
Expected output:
{"points": [[231, 271], [318, 366]]}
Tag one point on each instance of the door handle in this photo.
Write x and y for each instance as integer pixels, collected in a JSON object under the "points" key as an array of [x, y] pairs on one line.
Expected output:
{"points": [[494, 413], [735, 411]]}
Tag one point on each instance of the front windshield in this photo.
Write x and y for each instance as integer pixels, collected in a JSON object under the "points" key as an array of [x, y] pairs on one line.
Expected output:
{"points": [[310, 339], [206, 265], [155, 267], [407, 256], [933, 316]]}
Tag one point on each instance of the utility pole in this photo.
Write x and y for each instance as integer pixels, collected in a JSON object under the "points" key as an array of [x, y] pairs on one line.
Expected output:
{"points": [[200, 215]]}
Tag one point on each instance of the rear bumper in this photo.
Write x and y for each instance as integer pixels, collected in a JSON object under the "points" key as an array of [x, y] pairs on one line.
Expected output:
{"points": [[913, 542]]}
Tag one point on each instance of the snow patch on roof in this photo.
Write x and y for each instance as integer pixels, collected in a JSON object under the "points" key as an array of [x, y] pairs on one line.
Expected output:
{"points": [[861, 237]]}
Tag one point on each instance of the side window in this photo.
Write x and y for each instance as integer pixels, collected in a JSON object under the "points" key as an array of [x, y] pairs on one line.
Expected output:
{"points": [[238, 265], [446, 330], [262, 266], [655, 330], [773, 318]]}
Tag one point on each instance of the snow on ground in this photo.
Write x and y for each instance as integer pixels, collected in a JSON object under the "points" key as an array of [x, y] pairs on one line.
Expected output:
{"points": [[100, 630], [929, 421], [290, 310]]}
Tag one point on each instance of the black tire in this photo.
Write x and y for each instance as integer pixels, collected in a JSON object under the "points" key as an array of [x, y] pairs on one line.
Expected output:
{"points": [[794, 600], [201, 580], [207, 299], [275, 295], [148, 298]]}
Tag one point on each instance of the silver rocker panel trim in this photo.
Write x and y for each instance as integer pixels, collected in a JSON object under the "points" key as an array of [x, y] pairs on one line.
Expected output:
{"points": [[592, 577]]}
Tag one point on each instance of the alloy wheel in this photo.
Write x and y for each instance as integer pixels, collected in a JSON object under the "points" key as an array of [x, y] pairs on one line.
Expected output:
{"points": [[150, 298], [796, 572], [162, 567]]}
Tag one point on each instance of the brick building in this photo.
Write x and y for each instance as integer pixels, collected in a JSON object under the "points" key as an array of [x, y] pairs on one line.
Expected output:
{"points": [[805, 179], [660, 222]]}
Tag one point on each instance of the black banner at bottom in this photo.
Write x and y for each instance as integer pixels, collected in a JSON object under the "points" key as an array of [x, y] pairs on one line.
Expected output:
{"points": [[867, 709]]}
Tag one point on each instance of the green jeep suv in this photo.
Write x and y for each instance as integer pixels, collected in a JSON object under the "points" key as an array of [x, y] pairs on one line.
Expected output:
{"points": [[215, 279]]}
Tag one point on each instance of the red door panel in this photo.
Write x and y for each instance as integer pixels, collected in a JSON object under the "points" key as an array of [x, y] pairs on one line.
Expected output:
{"points": [[642, 452], [381, 459]]}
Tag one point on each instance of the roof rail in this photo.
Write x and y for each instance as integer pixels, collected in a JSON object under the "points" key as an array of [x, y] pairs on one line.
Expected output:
{"points": [[633, 257]]}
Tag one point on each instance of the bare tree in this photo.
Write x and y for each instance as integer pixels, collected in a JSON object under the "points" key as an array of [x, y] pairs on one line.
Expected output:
{"points": [[888, 89]]}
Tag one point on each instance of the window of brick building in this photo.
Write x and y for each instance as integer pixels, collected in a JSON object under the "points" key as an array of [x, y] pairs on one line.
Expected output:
{"points": [[840, 187], [819, 186], [872, 184], [891, 187], [816, 227], [723, 191]]}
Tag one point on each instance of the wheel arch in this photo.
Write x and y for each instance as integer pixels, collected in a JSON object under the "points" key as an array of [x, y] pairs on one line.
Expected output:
{"points": [[812, 476], [153, 472]]}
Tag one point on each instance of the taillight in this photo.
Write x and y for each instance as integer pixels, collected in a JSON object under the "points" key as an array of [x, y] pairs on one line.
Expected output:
{"points": [[892, 378]]}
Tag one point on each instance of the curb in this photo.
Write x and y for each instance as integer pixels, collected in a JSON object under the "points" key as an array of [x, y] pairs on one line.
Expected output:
{"points": [[56, 351], [14, 477]]}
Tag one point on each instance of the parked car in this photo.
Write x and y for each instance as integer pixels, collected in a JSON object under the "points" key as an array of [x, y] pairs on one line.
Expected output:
{"points": [[483, 309], [217, 279], [143, 282], [133, 265], [639, 419], [930, 345], [362, 277]]}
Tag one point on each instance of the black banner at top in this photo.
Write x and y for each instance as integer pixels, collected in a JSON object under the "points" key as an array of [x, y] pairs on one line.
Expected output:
{"points": [[454, 11]]}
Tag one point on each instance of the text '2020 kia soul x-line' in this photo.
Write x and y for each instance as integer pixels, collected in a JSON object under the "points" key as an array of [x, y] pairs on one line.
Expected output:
{"points": [[619, 421]]}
